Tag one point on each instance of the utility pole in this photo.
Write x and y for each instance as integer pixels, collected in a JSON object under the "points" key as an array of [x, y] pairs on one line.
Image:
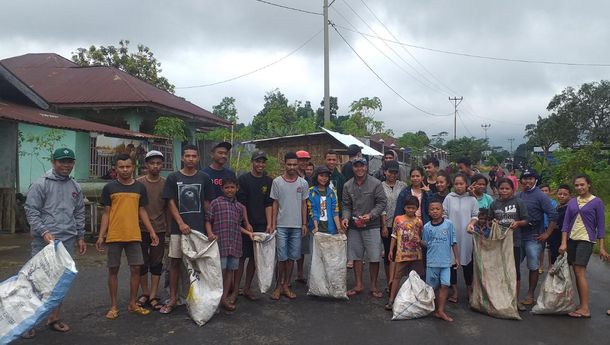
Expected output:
{"points": [[326, 69], [512, 154], [456, 103], [485, 127]]}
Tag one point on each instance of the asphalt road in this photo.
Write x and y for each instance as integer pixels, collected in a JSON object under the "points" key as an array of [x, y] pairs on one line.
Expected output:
{"points": [[306, 320]]}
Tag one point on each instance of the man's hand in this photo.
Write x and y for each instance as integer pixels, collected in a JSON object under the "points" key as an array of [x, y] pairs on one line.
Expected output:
{"points": [[82, 247], [470, 229], [249, 228], [211, 237], [457, 263], [513, 225], [184, 228], [385, 233], [269, 228], [366, 217], [543, 237], [99, 244], [48, 237], [303, 230], [344, 224], [154, 240]]}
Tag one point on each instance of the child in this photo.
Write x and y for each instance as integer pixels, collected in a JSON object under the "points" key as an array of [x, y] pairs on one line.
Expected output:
{"points": [[322, 206], [479, 189], [439, 238], [442, 186], [482, 225], [510, 212], [225, 224], [563, 194], [407, 233], [124, 200], [546, 189]]}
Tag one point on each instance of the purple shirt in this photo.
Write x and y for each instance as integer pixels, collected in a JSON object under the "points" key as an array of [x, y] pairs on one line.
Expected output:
{"points": [[592, 215]]}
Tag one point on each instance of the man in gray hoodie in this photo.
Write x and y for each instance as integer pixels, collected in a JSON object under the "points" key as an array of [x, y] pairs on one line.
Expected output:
{"points": [[55, 210]]}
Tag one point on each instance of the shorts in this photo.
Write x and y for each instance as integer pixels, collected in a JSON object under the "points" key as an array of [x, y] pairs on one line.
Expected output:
{"points": [[230, 263], [364, 241], [531, 250], [153, 256], [38, 243], [133, 252], [247, 247], [579, 252], [405, 267], [288, 244], [305, 244], [436, 276]]}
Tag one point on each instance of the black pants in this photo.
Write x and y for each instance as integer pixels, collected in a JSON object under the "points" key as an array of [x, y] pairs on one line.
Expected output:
{"points": [[153, 256], [554, 241], [468, 274]]}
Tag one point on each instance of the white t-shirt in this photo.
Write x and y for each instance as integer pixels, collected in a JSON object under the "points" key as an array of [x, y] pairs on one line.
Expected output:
{"points": [[323, 213]]}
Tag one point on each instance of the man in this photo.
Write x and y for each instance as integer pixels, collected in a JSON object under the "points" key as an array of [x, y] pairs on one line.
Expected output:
{"points": [[289, 193], [217, 170], [363, 202], [157, 213], [188, 193], [534, 235], [254, 194], [55, 210], [303, 158], [337, 180], [431, 166], [465, 167], [309, 172], [389, 155], [353, 151]]}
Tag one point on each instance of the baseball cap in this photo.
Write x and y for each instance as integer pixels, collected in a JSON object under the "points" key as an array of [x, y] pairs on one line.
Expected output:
{"points": [[63, 153], [392, 166], [302, 154], [353, 150], [227, 145], [528, 173], [359, 160], [258, 155], [153, 153], [322, 170]]}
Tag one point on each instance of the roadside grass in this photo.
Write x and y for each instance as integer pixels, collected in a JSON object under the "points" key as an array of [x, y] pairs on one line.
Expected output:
{"points": [[607, 238]]}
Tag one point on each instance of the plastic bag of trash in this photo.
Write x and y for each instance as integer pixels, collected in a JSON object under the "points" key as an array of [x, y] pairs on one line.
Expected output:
{"points": [[557, 293], [495, 278], [328, 266], [202, 260], [38, 288], [415, 299], [264, 258]]}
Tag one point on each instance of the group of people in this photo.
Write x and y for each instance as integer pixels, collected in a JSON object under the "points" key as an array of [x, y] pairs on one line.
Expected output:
{"points": [[423, 224]]}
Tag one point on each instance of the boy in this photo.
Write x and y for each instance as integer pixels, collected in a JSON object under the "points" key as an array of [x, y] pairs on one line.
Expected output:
{"points": [[124, 200], [439, 240], [564, 194], [482, 225], [407, 233], [224, 223]]}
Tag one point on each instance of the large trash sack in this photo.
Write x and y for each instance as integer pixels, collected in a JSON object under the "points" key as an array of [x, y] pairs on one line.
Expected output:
{"points": [[328, 266], [202, 260], [38, 288], [415, 299], [264, 259], [557, 293], [495, 278]]}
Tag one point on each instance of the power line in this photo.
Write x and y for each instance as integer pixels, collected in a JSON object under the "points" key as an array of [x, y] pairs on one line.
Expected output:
{"points": [[584, 64], [256, 70], [381, 79], [464, 124], [289, 8]]}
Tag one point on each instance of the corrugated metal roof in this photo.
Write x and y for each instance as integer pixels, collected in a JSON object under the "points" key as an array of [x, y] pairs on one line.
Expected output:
{"points": [[22, 113], [63, 83]]}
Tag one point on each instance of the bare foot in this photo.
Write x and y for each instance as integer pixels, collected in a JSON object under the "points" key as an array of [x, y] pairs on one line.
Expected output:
{"points": [[442, 316]]}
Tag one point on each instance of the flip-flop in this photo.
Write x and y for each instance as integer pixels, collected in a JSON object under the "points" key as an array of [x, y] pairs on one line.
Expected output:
{"points": [[143, 300], [389, 306], [528, 301], [139, 310], [112, 314], [167, 309], [228, 306], [58, 326], [376, 293], [579, 315], [353, 292], [155, 304]]}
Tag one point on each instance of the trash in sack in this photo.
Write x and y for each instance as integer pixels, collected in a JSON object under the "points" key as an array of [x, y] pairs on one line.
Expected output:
{"points": [[415, 299], [264, 259], [557, 294], [38, 288], [495, 278], [328, 266], [202, 260]]}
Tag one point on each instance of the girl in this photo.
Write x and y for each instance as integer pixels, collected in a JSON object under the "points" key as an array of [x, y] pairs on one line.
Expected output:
{"points": [[418, 190], [443, 187], [462, 209], [322, 206], [479, 189], [583, 226], [510, 212]]}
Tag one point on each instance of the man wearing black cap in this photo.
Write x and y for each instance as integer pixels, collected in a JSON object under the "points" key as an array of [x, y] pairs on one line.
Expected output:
{"points": [[254, 193], [534, 235], [217, 170], [353, 151]]}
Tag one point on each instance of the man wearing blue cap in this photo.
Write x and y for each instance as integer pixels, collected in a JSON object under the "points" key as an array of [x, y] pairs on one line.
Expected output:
{"points": [[55, 210]]}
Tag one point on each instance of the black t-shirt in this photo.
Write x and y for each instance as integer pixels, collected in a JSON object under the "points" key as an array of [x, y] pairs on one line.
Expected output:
{"points": [[254, 194], [189, 193], [508, 211], [347, 170], [216, 177]]}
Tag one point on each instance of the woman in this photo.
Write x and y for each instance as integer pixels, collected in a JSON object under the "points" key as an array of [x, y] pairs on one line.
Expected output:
{"points": [[443, 187], [583, 226], [418, 190]]}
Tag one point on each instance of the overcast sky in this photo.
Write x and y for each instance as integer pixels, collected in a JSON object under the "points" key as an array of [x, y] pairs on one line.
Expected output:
{"points": [[202, 42]]}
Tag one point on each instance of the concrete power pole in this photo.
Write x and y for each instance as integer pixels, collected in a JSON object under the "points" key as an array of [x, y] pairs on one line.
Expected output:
{"points": [[456, 103], [485, 127], [326, 69], [512, 154]]}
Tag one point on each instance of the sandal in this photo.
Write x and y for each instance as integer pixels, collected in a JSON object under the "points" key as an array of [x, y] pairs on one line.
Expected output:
{"points": [[155, 304], [139, 310], [29, 334], [353, 292], [275, 295], [289, 293], [58, 326], [167, 309], [112, 314], [249, 295], [528, 301], [376, 293], [143, 300], [228, 306]]}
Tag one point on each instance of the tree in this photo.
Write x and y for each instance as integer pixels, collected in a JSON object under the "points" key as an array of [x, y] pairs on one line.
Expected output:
{"points": [[438, 139], [334, 107], [279, 118], [141, 64], [361, 122], [466, 147], [170, 127], [226, 110], [544, 133], [415, 141]]}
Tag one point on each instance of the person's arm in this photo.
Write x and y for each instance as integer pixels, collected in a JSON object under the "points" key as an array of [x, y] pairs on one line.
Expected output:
{"points": [[173, 211], [103, 230], [303, 217], [146, 221], [79, 220], [473, 217], [384, 228], [456, 254], [275, 210], [347, 207], [551, 213], [564, 242], [246, 221], [391, 250], [601, 219], [269, 218], [34, 204], [209, 232]]}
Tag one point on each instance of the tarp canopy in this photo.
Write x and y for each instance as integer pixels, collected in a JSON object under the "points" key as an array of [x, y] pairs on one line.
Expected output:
{"points": [[348, 139]]}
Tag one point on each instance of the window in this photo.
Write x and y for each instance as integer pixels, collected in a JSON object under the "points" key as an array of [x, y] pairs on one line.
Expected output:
{"points": [[167, 149]]}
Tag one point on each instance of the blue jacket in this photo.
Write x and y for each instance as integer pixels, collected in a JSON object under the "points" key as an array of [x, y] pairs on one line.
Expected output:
{"points": [[313, 208], [402, 198]]}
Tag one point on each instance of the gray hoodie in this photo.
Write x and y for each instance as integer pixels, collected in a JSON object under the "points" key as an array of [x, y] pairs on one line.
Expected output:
{"points": [[55, 204]]}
